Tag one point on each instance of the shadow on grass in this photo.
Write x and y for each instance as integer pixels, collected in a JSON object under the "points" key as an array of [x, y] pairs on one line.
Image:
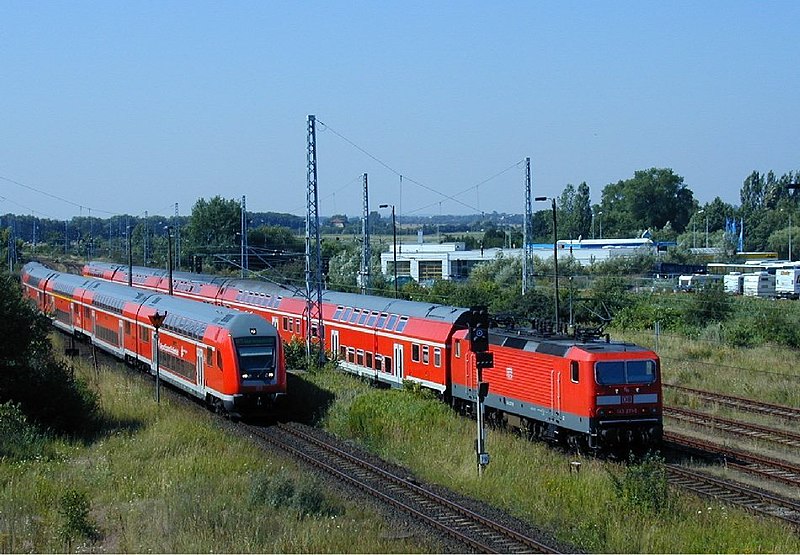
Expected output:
{"points": [[306, 402]]}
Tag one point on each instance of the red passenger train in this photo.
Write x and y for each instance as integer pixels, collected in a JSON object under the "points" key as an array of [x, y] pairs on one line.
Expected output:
{"points": [[582, 390], [231, 360]]}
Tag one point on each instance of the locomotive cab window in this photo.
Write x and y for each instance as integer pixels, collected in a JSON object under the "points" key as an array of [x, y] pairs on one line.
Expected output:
{"points": [[621, 372], [256, 357], [573, 371]]}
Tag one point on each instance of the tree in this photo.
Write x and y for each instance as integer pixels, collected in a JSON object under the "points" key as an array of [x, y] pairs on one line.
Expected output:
{"points": [[29, 374], [214, 224], [647, 201]]}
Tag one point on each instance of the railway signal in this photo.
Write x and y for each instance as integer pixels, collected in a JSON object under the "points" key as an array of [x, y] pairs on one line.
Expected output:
{"points": [[156, 320], [479, 344]]}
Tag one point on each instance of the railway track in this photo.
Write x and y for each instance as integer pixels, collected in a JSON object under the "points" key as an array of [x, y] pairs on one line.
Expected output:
{"points": [[739, 403], [751, 499], [764, 467], [734, 426], [478, 532]]}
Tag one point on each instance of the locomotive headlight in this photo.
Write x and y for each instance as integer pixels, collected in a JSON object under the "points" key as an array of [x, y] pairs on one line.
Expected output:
{"points": [[270, 375]]}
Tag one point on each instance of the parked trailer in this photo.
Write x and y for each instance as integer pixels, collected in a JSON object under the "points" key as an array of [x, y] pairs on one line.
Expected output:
{"points": [[759, 284], [787, 283], [733, 283], [697, 281]]}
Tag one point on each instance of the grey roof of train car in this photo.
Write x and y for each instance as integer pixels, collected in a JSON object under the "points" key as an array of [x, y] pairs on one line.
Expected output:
{"points": [[557, 345], [443, 313]]}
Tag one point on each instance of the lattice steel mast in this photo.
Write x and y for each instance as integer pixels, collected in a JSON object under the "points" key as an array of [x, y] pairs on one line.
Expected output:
{"points": [[313, 255], [366, 254], [244, 237], [527, 232]]}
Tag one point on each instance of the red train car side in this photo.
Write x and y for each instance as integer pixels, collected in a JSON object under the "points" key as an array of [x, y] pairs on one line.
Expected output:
{"points": [[231, 360], [584, 390]]}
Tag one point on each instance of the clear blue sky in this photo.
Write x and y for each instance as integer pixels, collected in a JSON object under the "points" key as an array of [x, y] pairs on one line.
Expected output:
{"points": [[134, 106]]}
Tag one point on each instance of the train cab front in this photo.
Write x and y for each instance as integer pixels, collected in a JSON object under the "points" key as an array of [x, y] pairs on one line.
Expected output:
{"points": [[627, 403], [261, 375]]}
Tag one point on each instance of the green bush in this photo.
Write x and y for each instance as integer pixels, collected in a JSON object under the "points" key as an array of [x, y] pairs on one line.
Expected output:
{"points": [[281, 491], [18, 438], [31, 377], [644, 485], [73, 506]]}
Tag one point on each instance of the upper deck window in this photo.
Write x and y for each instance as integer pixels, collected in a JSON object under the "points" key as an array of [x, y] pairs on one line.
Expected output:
{"points": [[621, 372]]}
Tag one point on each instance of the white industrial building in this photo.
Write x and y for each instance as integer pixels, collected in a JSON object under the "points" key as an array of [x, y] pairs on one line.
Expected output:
{"points": [[430, 261]]}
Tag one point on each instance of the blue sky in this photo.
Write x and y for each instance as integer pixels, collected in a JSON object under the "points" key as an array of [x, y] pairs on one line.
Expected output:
{"points": [[123, 107]]}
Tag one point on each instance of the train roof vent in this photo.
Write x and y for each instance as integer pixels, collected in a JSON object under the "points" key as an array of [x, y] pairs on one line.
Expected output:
{"points": [[555, 349], [227, 318]]}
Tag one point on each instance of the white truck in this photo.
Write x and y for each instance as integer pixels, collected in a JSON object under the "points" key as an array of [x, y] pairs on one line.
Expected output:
{"points": [[733, 283], [759, 284], [787, 283]]}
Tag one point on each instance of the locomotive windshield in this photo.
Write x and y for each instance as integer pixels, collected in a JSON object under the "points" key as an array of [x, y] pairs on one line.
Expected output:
{"points": [[256, 357], [621, 372]]}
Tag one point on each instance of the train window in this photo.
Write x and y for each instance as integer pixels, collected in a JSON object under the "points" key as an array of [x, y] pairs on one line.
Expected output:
{"points": [[625, 372], [391, 323], [369, 360], [437, 357], [144, 334], [297, 327], [347, 313], [342, 352], [373, 317], [209, 356], [387, 364], [360, 357], [314, 330], [127, 328], [356, 314], [219, 360], [382, 320], [363, 319], [402, 325], [285, 323], [339, 310], [351, 354], [414, 352], [573, 368], [291, 325], [378, 362], [425, 354], [458, 348]]}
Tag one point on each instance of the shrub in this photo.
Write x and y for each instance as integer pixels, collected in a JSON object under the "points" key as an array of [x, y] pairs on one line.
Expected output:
{"points": [[280, 491], [18, 438], [644, 485], [73, 506]]}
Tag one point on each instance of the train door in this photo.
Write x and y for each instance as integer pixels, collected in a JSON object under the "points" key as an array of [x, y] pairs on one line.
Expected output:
{"points": [[397, 370], [121, 336], [275, 321], [335, 342], [555, 394], [200, 369]]}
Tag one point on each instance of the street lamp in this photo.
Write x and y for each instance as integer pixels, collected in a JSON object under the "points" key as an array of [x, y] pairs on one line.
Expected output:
{"points": [[169, 255], [791, 187], [555, 251], [601, 223], [394, 245]]}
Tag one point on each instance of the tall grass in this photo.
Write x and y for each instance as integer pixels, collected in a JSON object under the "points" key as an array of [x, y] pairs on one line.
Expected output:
{"points": [[537, 483], [169, 479]]}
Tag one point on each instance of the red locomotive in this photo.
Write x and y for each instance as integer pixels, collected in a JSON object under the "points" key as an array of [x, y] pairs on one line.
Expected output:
{"points": [[230, 360], [583, 390]]}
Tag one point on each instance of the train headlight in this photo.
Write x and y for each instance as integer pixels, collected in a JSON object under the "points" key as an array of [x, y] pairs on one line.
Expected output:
{"points": [[270, 375]]}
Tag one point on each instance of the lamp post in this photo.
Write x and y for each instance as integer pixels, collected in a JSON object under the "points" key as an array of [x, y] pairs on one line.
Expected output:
{"points": [[169, 256], [555, 252], [601, 223], [791, 187], [394, 244]]}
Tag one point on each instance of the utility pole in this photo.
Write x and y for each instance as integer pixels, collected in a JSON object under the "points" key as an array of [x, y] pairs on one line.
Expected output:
{"points": [[244, 237], [366, 254], [527, 232], [177, 239], [313, 251], [145, 238], [130, 255]]}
